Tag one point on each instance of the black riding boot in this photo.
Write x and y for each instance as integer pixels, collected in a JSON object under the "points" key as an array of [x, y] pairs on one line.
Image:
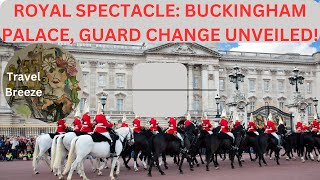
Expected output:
{"points": [[114, 138]]}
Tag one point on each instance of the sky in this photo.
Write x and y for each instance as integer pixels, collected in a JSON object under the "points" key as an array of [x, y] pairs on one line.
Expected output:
{"points": [[301, 48]]}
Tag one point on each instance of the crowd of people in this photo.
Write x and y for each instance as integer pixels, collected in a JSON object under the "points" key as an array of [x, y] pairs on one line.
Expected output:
{"points": [[16, 148]]}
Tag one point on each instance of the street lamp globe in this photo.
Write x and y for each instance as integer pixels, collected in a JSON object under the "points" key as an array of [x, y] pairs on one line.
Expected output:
{"points": [[315, 101], [217, 98], [103, 100]]}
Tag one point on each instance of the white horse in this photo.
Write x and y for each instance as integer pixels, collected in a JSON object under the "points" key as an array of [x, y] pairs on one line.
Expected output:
{"points": [[43, 144], [83, 146], [60, 149]]}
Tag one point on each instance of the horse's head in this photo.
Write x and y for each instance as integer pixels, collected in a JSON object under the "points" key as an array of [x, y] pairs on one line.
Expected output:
{"points": [[239, 132], [126, 133]]}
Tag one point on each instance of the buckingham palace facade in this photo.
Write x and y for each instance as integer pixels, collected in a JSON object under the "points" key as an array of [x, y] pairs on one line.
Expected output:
{"points": [[110, 66]]}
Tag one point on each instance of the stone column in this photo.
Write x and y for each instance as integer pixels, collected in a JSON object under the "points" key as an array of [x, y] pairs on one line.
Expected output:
{"points": [[112, 85], [204, 75], [211, 85], [93, 85], [129, 99], [190, 86]]}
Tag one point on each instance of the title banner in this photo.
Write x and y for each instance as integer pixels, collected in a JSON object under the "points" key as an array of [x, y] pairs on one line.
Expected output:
{"points": [[111, 21]]}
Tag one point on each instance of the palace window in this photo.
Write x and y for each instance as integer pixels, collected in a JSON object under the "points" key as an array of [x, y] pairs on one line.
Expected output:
{"points": [[252, 85], [85, 79], [196, 103], [102, 79], [266, 85], [309, 87], [222, 105], [120, 80], [281, 86], [310, 113], [252, 106], [221, 85], [281, 105], [82, 104], [195, 82], [119, 104]]}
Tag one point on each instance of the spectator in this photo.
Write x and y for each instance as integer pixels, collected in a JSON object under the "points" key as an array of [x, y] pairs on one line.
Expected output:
{"points": [[29, 146], [9, 156], [29, 156], [20, 156], [14, 147]]}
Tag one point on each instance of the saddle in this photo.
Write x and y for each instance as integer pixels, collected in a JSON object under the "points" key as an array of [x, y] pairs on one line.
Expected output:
{"points": [[52, 135], [80, 133], [97, 137]]}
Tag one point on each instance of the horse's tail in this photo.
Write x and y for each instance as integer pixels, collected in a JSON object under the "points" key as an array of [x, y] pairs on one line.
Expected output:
{"points": [[36, 152], [53, 151], [71, 155], [58, 154]]}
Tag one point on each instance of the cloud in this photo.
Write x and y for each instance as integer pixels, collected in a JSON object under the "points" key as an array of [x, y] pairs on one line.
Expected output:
{"points": [[301, 48], [1, 1]]}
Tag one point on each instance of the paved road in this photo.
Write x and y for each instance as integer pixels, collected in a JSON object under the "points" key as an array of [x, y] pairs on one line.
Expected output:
{"points": [[288, 170]]}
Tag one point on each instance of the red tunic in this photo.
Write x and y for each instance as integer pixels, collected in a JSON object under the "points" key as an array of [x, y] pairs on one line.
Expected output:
{"points": [[102, 124], [136, 125], [224, 125], [236, 124], [87, 125], [271, 128], [206, 125], [153, 124], [77, 124], [299, 127], [172, 126], [305, 128], [315, 126], [61, 126], [252, 127], [124, 124], [187, 123]]}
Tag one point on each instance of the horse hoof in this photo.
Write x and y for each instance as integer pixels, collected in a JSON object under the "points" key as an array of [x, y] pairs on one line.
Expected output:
{"points": [[191, 169], [113, 178], [162, 173], [181, 172], [166, 167], [271, 158], [61, 177], [100, 174], [198, 165], [129, 168], [149, 174], [36, 172], [217, 168], [136, 170]]}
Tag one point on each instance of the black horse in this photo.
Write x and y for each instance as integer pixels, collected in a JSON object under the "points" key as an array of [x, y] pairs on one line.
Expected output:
{"points": [[267, 141], [218, 142], [162, 144], [306, 142], [250, 140]]}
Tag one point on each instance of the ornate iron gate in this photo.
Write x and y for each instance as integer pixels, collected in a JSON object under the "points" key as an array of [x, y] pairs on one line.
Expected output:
{"points": [[261, 115]]}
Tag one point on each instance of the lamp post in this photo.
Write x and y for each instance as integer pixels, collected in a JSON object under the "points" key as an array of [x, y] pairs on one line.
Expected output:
{"points": [[236, 77], [315, 101], [296, 79], [217, 102], [103, 101]]}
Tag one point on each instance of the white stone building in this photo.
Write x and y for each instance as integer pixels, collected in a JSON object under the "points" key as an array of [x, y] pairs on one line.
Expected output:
{"points": [[109, 66]]}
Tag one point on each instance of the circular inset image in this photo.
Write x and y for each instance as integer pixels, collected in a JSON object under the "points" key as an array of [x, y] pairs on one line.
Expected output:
{"points": [[43, 81]]}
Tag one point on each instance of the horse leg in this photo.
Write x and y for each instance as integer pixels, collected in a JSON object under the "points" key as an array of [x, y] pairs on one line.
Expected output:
{"points": [[181, 162], [231, 157], [35, 169], [144, 162], [135, 166], [202, 162], [74, 165], [270, 155], [208, 159], [159, 167], [151, 162], [125, 162], [277, 155], [164, 160], [113, 165], [239, 159]]}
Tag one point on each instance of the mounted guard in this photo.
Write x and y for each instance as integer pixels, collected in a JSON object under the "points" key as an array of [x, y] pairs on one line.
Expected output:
{"points": [[206, 124], [188, 120], [137, 125], [225, 125], [271, 129], [153, 126], [124, 119], [252, 126], [87, 126], [62, 127], [77, 125], [172, 130]]}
